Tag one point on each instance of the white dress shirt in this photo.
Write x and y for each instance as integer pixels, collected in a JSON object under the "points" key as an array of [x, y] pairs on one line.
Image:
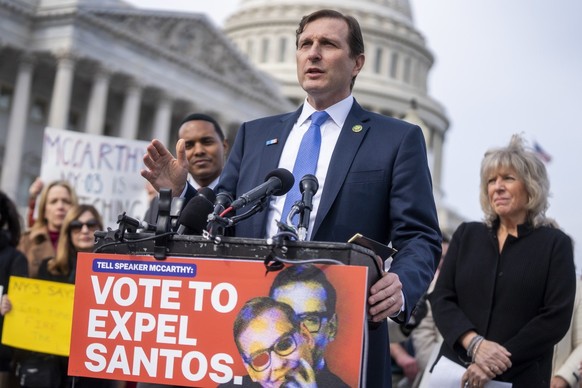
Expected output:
{"points": [[330, 131], [197, 186]]}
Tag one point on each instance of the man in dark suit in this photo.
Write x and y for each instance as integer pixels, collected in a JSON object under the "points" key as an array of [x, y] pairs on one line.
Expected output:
{"points": [[206, 148], [372, 171]]}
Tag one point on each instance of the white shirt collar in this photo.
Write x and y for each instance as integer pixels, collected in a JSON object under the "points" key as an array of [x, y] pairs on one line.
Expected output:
{"points": [[197, 186], [338, 112]]}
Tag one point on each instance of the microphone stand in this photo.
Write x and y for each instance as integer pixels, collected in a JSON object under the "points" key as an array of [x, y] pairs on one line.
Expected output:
{"points": [[126, 224], [216, 225], [163, 225], [288, 226], [304, 214], [217, 222], [257, 207]]}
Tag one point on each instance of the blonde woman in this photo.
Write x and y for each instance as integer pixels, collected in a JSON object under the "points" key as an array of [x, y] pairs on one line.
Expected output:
{"points": [[40, 241], [505, 293]]}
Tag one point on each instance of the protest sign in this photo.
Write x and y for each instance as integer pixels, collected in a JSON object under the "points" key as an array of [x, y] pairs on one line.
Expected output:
{"points": [[105, 171], [171, 321], [41, 316]]}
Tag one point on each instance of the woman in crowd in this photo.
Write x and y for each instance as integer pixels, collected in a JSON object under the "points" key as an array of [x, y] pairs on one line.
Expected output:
{"points": [[506, 289], [12, 263], [76, 235], [40, 241]]}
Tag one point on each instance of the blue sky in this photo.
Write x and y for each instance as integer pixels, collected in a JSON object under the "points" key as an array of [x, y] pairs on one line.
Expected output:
{"points": [[502, 67]]}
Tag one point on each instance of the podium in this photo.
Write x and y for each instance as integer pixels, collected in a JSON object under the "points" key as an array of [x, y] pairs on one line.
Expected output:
{"points": [[170, 321], [237, 248]]}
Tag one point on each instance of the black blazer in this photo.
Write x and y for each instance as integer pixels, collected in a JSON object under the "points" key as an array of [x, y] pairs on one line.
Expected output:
{"points": [[521, 298]]}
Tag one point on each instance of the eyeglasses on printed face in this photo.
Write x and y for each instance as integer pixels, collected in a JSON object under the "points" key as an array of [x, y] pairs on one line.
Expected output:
{"points": [[76, 225], [284, 346], [313, 320]]}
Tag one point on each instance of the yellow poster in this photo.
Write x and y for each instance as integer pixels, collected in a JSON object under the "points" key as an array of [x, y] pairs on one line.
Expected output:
{"points": [[41, 316]]}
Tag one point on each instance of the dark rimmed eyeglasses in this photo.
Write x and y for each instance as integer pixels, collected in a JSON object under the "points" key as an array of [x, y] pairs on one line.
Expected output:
{"points": [[77, 225], [284, 346], [313, 320]]}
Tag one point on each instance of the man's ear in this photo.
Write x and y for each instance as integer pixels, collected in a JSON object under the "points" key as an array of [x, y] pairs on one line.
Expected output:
{"points": [[360, 59], [332, 327]]}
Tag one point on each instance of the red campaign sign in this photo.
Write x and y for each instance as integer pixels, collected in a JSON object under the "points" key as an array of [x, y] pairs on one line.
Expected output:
{"points": [[171, 322]]}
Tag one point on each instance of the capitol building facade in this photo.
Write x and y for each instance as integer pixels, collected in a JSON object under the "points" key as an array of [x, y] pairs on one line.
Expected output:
{"points": [[105, 67]]}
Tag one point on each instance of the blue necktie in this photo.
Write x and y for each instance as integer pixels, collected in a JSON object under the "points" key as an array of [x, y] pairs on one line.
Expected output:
{"points": [[306, 162]]}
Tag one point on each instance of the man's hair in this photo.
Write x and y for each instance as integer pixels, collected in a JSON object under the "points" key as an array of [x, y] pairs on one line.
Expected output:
{"points": [[306, 274], [203, 117], [355, 38], [255, 307]]}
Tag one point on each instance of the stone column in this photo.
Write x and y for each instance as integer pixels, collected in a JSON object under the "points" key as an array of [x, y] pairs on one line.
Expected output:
{"points": [[162, 119], [131, 110], [62, 89], [98, 102], [17, 128]]}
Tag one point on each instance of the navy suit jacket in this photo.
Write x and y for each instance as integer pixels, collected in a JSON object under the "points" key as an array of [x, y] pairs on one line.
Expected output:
{"points": [[378, 184]]}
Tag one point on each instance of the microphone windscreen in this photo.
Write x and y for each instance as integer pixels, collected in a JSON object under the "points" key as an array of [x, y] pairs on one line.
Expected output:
{"points": [[207, 193], [195, 215], [309, 182], [285, 176]]}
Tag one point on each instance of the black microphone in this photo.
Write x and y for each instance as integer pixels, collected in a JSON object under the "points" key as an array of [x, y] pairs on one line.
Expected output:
{"points": [[308, 187], [194, 216], [277, 182], [207, 193], [135, 223], [222, 202], [177, 206], [216, 223]]}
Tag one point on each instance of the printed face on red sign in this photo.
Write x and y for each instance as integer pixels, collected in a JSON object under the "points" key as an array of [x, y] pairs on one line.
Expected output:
{"points": [[312, 296], [276, 351], [308, 300]]}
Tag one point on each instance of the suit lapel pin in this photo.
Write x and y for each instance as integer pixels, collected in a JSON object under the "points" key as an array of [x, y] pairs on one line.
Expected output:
{"points": [[272, 141], [357, 128]]}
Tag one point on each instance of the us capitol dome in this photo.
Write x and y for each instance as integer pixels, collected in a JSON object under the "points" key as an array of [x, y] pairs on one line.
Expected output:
{"points": [[393, 81]]}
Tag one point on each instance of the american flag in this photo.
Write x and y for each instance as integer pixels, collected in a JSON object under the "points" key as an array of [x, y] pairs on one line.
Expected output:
{"points": [[541, 153]]}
